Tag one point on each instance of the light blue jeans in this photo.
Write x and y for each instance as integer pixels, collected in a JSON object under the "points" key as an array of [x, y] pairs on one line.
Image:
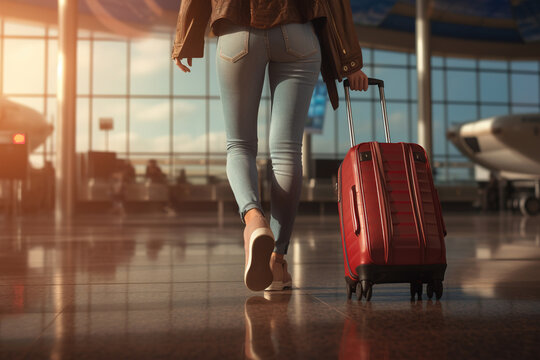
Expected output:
{"points": [[293, 57]]}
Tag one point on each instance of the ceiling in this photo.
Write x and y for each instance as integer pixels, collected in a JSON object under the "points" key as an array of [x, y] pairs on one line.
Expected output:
{"points": [[476, 24]]}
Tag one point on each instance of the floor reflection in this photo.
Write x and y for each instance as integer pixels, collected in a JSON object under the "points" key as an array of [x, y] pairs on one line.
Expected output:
{"points": [[368, 334], [154, 287], [268, 331]]}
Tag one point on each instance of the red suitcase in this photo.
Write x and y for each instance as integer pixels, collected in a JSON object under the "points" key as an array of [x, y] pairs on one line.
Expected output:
{"points": [[391, 223]]}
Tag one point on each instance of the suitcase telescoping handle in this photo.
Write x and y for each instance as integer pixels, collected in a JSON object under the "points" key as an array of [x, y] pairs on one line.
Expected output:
{"points": [[371, 81]]}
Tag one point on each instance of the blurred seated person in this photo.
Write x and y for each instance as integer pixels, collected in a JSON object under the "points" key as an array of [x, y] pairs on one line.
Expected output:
{"points": [[117, 190], [154, 173], [182, 178], [129, 172]]}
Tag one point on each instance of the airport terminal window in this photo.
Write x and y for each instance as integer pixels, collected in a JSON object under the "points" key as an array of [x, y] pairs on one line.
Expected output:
{"points": [[524, 65], [398, 119], [461, 86], [193, 83], [524, 88], [217, 128], [20, 29], [189, 126], [414, 124], [436, 61], [150, 74], [395, 81], [149, 125], [109, 67], [323, 145], [457, 114], [51, 108], [493, 86], [83, 67], [524, 109], [116, 109], [437, 85], [27, 54], [193, 164], [367, 56], [460, 63], [144, 93], [493, 64], [140, 161], [439, 130], [493, 110], [52, 64], [83, 123], [413, 83], [363, 125], [217, 170], [389, 57]]}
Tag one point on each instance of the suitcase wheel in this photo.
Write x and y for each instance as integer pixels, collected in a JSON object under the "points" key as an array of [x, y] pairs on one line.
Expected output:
{"points": [[359, 291], [438, 289], [434, 287], [367, 287], [416, 290], [364, 289], [351, 288], [430, 290]]}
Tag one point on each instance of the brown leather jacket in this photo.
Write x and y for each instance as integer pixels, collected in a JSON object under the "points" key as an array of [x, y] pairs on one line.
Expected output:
{"points": [[332, 19]]}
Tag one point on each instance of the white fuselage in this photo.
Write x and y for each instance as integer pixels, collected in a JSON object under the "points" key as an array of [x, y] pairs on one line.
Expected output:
{"points": [[18, 118], [507, 144]]}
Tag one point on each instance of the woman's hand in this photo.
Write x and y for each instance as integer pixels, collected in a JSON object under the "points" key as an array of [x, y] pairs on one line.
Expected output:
{"points": [[358, 80], [183, 67]]}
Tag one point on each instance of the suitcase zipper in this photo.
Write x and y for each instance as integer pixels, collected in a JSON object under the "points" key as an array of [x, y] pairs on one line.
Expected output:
{"points": [[343, 241]]}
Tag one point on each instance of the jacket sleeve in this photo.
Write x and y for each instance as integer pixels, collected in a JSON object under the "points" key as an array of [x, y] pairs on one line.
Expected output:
{"points": [[342, 27], [190, 28]]}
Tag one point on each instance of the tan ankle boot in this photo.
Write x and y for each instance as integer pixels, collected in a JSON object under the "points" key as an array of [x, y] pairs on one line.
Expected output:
{"points": [[258, 244], [281, 277]]}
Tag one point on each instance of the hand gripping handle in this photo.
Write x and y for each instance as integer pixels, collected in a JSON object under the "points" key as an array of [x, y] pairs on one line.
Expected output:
{"points": [[371, 81]]}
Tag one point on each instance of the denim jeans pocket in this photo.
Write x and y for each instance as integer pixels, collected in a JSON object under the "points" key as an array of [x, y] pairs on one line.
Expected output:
{"points": [[300, 39], [234, 45]]}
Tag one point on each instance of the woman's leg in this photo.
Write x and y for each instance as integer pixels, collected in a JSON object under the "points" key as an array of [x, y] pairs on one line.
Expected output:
{"points": [[241, 60], [294, 67]]}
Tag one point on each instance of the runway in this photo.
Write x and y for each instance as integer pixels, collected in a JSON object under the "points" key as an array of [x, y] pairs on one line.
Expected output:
{"points": [[163, 287]]}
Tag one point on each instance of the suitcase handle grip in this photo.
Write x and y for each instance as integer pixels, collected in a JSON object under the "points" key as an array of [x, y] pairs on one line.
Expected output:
{"points": [[371, 81], [354, 211]]}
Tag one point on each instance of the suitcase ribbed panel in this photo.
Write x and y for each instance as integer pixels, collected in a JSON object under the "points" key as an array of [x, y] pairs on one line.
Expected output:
{"points": [[433, 233], [369, 203], [405, 243]]}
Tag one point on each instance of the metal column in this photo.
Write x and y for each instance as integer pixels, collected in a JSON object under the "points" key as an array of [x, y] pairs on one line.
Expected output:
{"points": [[66, 98], [423, 66]]}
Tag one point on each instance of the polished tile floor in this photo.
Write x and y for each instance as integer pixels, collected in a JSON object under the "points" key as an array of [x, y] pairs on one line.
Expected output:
{"points": [[158, 287]]}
